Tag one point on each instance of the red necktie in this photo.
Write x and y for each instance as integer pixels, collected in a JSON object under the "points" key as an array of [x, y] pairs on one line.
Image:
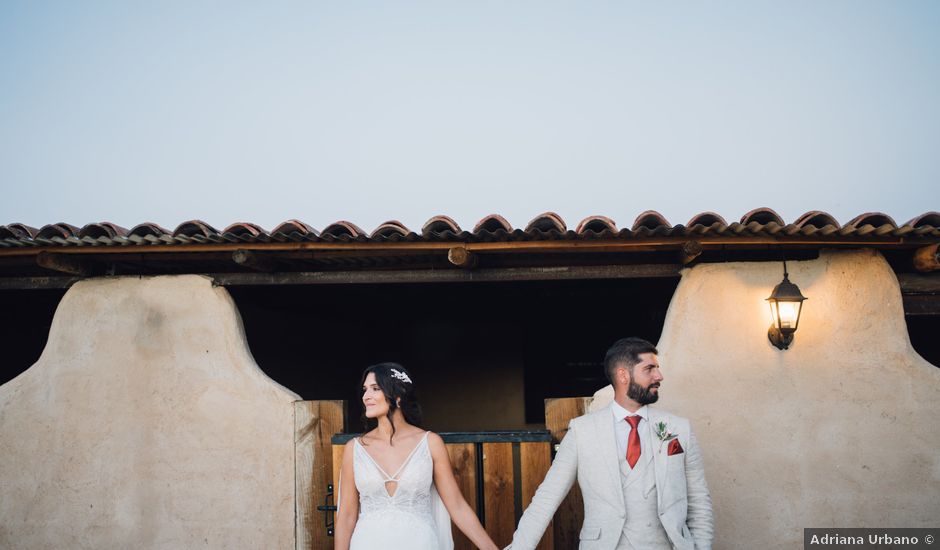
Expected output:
{"points": [[633, 442]]}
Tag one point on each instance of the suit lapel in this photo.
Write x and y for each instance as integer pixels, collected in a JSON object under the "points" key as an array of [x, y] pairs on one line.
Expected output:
{"points": [[659, 455], [604, 424]]}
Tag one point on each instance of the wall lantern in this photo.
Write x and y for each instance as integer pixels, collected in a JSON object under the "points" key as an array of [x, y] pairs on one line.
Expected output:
{"points": [[785, 301]]}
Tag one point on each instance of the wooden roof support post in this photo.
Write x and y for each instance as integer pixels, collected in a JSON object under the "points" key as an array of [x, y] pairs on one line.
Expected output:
{"points": [[927, 258], [690, 251], [252, 260], [461, 257], [65, 263]]}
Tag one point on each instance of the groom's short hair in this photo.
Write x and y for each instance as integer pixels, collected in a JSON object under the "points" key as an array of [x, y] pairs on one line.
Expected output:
{"points": [[625, 351]]}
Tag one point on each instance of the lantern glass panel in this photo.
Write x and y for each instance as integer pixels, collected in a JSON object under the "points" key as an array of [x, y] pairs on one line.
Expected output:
{"points": [[789, 315], [773, 312]]}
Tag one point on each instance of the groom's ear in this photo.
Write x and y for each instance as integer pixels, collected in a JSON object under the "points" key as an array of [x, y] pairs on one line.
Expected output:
{"points": [[623, 375]]}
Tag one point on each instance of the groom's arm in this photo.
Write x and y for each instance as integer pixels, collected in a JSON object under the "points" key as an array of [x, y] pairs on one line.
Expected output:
{"points": [[699, 518], [551, 492]]}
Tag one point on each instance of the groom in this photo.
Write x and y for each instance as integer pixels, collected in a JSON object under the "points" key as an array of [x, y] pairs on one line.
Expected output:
{"points": [[639, 468]]}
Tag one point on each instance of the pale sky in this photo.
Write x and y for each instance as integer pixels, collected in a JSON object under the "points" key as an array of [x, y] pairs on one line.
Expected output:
{"points": [[367, 111]]}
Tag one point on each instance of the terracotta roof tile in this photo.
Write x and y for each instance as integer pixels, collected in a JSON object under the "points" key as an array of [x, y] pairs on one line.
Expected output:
{"points": [[649, 219], [762, 216], [342, 229], [549, 221], [195, 229], [547, 226], [817, 219], [596, 224], [389, 229], [148, 228], [439, 225], [492, 224]]}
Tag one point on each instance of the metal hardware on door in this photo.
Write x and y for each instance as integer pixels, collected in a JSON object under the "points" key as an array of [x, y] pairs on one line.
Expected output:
{"points": [[328, 510]]}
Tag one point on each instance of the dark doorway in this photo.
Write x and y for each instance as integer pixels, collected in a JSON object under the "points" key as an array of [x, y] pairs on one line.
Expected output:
{"points": [[27, 316], [924, 331], [484, 356]]}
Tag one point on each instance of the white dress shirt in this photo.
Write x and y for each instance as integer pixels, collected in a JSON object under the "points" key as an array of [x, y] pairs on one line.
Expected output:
{"points": [[622, 427]]}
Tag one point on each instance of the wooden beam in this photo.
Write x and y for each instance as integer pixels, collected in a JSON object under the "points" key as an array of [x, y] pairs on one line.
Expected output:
{"points": [[461, 257], [253, 260], [642, 244], [36, 283], [449, 275], [690, 251], [927, 258], [919, 283], [65, 264], [921, 304]]}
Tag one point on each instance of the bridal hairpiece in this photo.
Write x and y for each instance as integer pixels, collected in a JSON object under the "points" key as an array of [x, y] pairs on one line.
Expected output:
{"points": [[400, 375]]}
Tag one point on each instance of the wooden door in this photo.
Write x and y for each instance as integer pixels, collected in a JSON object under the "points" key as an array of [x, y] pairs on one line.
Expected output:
{"points": [[570, 514], [315, 422]]}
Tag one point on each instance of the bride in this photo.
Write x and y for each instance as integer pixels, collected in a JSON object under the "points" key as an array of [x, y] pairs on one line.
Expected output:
{"points": [[395, 478]]}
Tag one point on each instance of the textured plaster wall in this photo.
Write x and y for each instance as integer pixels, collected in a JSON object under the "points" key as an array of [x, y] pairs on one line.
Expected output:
{"points": [[146, 424], [839, 430]]}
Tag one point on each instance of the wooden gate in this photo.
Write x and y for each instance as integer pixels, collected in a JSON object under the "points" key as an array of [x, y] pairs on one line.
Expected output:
{"points": [[497, 472]]}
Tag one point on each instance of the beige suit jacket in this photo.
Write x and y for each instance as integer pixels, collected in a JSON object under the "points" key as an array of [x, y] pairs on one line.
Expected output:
{"points": [[588, 453]]}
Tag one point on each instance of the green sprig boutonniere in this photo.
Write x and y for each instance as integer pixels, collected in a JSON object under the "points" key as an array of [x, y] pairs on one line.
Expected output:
{"points": [[663, 433]]}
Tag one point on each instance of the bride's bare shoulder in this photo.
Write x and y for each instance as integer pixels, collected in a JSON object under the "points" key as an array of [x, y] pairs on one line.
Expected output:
{"points": [[367, 437], [435, 441]]}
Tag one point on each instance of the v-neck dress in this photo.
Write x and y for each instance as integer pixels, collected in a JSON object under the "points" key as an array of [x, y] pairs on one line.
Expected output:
{"points": [[403, 520]]}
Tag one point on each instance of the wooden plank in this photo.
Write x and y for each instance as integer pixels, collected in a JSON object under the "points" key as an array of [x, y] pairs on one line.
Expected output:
{"points": [[36, 283], [463, 460], [337, 463], [73, 265], [536, 460], [570, 514], [498, 489], [921, 304], [649, 244], [919, 283], [315, 422], [455, 275], [927, 258]]}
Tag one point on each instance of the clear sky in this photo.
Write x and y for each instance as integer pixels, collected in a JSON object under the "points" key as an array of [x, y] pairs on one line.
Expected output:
{"points": [[367, 111]]}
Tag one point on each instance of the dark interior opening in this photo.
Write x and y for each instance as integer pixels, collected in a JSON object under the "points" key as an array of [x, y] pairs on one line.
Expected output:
{"points": [[924, 331], [484, 356], [27, 318]]}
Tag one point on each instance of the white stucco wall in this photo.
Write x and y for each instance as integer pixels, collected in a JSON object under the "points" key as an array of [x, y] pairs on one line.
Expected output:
{"points": [[146, 424], [838, 431]]}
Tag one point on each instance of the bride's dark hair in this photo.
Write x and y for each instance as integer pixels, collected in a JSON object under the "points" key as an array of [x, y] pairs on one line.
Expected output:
{"points": [[399, 394]]}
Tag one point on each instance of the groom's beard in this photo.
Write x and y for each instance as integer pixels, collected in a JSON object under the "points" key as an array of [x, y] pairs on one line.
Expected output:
{"points": [[642, 395]]}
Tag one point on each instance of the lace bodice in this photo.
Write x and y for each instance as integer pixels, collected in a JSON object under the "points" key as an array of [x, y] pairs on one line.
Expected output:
{"points": [[413, 491]]}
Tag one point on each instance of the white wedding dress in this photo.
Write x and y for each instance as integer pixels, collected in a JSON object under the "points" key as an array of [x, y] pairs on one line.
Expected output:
{"points": [[412, 517]]}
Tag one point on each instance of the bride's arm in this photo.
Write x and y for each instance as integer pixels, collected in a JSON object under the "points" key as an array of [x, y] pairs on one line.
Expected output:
{"points": [[348, 512], [460, 512]]}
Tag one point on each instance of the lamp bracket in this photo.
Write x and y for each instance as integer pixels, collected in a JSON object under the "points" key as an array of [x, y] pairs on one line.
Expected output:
{"points": [[778, 338]]}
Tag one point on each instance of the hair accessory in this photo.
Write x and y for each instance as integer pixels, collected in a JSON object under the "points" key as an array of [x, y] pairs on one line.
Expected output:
{"points": [[400, 375]]}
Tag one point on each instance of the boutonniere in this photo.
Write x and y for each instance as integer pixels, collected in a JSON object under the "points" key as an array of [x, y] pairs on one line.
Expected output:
{"points": [[664, 434]]}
